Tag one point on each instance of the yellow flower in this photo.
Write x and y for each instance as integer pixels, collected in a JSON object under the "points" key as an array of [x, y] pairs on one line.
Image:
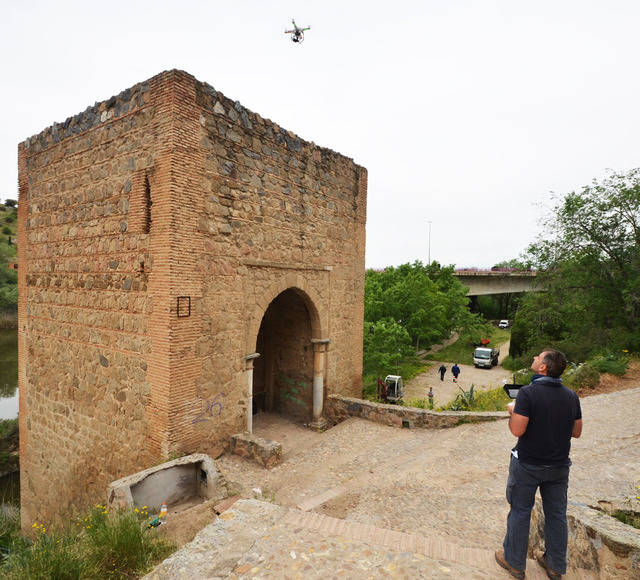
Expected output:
{"points": [[625, 350]]}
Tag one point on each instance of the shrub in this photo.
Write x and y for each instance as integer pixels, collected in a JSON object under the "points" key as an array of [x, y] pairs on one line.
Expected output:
{"points": [[10, 219], [50, 556], [6, 230], [523, 376], [464, 400], [610, 363], [119, 544], [581, 376], [493, 400], [102, 545]]}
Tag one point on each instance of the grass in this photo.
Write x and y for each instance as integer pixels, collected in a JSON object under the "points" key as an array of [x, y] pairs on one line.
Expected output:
{"points": [[100, 545], [462, 353], [626, 517]]}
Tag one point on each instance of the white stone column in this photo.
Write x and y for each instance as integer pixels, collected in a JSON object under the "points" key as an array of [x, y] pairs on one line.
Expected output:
{"points": [[319, 350], [249, 368]]}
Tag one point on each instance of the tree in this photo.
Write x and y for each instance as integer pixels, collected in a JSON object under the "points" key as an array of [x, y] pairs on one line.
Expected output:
{"points": [[427, 300], [386, 343], [588, 256], [10, 203]]}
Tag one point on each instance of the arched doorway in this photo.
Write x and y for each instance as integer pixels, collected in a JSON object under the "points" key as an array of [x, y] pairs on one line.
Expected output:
{"points": [[283, 374]]}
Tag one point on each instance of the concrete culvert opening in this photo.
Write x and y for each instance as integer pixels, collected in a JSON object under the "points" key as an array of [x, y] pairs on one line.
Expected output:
{"points": [[181, 484], [178, 486]]}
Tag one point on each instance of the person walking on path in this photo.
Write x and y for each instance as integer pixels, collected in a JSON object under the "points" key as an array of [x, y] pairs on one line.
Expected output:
{"points": [[442, 370], [455, 371], [544, 417]]}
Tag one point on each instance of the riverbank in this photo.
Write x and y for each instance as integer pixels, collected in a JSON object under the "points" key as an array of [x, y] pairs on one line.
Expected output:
{"points": [[8, 321]]}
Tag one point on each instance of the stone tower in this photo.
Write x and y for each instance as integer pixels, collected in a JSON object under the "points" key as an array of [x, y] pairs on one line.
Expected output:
{"points": [[183, 264]]}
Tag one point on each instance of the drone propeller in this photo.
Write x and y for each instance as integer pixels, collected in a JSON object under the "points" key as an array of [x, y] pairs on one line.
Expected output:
{"points": [[297, 33]]}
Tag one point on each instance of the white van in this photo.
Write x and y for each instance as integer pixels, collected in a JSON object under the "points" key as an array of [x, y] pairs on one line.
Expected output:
{"points": [[503, 324], [485, 356]]}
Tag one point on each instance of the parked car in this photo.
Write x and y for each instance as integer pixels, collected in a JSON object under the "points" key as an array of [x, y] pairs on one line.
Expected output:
{"points": [[503, 324], [485, 357]]}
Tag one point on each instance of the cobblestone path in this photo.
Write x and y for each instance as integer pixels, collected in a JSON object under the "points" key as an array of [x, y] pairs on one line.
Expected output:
{"points": [[440, 486]]}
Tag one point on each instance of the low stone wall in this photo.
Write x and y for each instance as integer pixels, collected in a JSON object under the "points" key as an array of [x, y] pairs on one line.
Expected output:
{"points": [[264, 451], [597, 542], [338, 408]]}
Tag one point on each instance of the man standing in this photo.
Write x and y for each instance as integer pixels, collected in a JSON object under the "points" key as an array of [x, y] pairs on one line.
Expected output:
{"points": [[455, 371], [442, 370], [544, 417]]}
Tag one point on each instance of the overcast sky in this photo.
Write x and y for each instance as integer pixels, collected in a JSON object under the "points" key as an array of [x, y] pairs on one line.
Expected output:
{"points": [[466, 113]]}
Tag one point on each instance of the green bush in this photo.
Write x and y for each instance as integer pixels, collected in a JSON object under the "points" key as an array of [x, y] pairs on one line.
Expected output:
{"points": [[10, 219], [581, 376], [101, 545], [610, 363], [478, 401], [119, 544], [50, 556], [464, 400], [6, 230]]}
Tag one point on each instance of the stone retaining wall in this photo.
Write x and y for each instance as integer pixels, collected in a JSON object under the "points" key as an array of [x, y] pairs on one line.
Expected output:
{"points": [[263, 451], [339, 408], [597, 542]]}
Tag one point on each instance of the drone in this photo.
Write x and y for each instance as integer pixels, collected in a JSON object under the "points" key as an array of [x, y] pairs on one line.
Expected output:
{"points": [[297, 33]]}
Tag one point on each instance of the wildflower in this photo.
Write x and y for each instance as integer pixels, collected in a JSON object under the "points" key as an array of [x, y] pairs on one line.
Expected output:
{"points": [[625, 350]]}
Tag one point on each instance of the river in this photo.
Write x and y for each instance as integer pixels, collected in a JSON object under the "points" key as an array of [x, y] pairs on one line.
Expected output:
{"points": [[8, 374]]}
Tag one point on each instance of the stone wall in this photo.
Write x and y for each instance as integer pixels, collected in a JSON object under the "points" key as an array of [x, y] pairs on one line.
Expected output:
{"points": [[155, 230], [340, 408], [597, 542]]}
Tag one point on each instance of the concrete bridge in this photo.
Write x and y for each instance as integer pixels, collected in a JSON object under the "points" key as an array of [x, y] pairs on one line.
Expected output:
{"points": [[481, 282]]}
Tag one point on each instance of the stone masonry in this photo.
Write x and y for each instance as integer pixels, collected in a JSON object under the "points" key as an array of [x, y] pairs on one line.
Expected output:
{"points": [[183, 262]]}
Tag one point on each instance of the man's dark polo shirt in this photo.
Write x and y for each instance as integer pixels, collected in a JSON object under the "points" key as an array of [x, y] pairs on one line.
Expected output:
{"points": [[552, 409]]}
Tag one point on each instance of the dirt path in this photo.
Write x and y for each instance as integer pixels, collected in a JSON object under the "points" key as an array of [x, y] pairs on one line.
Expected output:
{"points": [[445, 391]]}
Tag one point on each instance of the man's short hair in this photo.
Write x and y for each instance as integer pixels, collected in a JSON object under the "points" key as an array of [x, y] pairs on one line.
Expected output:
{"points": [[555, 361]]}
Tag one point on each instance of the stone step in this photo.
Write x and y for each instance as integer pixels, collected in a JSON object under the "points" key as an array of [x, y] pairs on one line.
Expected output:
{"points": [[263, 540]]}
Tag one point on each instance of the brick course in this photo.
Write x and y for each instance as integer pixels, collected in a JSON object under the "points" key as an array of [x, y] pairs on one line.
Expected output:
{"points": [[169, 189]]}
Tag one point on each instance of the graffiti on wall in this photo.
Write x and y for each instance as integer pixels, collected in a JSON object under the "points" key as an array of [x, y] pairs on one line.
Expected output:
{"points": [[208, 408], [292, 390]]}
